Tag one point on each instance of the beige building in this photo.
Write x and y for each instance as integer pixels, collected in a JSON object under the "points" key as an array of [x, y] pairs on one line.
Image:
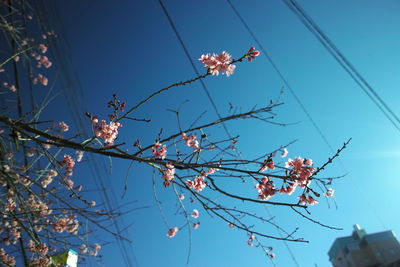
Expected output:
{"points": [[365, 250]]}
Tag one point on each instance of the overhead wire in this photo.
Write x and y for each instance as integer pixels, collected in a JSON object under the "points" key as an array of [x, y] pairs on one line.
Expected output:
{"points": [[313, 27], [345, 63], [203, 85], [71, 87], [267, 55]]}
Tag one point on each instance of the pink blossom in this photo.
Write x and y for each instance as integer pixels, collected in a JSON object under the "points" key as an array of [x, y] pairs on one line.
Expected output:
{"points": [[311, 200], [43, 80], [252, 53], [191, 141], [329, 193], [68, 162], [267, 164], [6, 168], [216, 64], [67, 223], [43, 48], [79, 156], [159, 150], [211, 170], [196, 225], [284, 152], [265, 189], [303, 199], [46, 181], [168, 174], [231, 225], [195, 214], [172, 232], [271, 255], [308, 161], [198, 184], [16, 58], [64, 127], [250, 240], [97, 247], [181, 196], [299, 171], [83, 249], [9, 155], [106, 131]]}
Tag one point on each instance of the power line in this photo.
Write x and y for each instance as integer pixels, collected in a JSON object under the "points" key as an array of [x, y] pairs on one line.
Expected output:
{"points": [[284, 80], [75, 103], [350, 69], [172, 24], [313, 27]]}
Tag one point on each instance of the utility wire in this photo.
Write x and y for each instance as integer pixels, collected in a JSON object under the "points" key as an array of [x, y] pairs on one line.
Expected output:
{"points": [[313, 27], [171, 22], [201, 81], [71, 87], [284, 80], [332, 48]]}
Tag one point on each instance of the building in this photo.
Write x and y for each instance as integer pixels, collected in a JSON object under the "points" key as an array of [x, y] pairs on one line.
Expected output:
{"points": [[365, 250], [68, 258]]}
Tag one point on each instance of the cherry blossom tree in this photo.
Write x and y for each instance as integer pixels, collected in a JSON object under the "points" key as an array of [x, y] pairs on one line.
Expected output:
{"points": [[45, 211]]}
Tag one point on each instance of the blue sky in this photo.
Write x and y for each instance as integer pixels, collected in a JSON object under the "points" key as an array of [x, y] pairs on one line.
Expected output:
{"points": [[130, 49]]}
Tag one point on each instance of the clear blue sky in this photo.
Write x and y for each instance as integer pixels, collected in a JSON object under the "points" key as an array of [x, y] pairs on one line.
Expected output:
{"points": [[128, 48]]}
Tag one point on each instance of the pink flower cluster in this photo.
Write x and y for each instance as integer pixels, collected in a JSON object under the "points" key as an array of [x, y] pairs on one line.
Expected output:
{"points": [[198, 184], [67, 223], [96, 250], [12, 88], [108, 132], [265, 189], [41, 79], [250, 240], [172, 232], [40, 262], [40, 248], [216, 64], [69, 163], [288, 190], [252, 53], [38, 206], [48, 178], [267, 164], [42, 60], [159, 150], [84, 249], [63, 126], [191, 141], [285, 152], [168, 174], [43, 48], [195, 214], [8, 260], [300, 172], [210, 171], [329, 193], [307, 200]]}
